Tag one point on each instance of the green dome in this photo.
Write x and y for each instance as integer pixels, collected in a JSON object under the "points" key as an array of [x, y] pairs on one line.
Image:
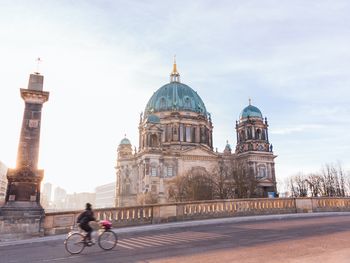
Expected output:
{"points": [[175, 96], [251, 112], [125, 141]]}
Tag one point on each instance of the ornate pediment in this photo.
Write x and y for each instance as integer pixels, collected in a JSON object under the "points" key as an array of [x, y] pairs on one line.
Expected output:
{"points": [[199, 151], [153, 127]]}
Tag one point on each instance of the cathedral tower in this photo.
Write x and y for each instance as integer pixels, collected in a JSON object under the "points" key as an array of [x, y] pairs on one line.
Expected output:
{"points": [[254, 150]]}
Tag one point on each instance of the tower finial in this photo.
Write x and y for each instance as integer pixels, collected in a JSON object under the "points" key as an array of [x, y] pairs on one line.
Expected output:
{"points": [[174, 76], [250, 101]]}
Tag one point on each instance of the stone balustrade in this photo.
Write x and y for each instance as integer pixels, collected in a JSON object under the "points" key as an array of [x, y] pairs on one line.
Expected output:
{"points": [[63, 222]]}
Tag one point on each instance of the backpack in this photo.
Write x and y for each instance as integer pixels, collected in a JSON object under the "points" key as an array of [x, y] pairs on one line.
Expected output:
{"points": [[82, 219]]}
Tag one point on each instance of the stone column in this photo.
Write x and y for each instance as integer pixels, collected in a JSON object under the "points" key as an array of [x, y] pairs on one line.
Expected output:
{"points": [[24, 181], [22, 204]]}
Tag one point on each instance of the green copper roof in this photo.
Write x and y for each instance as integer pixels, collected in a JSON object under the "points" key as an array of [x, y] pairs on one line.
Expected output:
{"points": [[175, 96], [125, 141], [250, 111]]}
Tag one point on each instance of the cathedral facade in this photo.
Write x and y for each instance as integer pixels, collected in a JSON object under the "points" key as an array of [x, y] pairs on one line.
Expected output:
{"points": [[176, 137]]}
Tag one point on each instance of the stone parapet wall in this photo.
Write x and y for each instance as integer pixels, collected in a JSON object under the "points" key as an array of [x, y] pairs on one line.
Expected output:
{"points": [[63, 222]]}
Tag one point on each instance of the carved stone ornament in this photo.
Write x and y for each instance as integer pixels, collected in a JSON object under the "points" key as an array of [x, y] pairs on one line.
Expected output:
{"points": [[33, 123]]}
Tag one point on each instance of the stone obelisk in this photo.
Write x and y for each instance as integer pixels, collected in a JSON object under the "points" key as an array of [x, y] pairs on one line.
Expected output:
{"points": [[22, 202]]}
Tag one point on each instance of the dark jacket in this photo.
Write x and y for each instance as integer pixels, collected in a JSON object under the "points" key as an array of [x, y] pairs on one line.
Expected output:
{"points": [[85, 217]]}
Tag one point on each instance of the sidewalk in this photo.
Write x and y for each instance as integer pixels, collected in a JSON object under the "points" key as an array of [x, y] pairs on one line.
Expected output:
{"points": [[147, 228]]}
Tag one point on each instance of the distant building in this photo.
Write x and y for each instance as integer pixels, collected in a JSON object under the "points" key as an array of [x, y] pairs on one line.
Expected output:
{"points": [[3, 182], [63, 201], [77, 201], [59, 198], [105, 195], [46, 195]]}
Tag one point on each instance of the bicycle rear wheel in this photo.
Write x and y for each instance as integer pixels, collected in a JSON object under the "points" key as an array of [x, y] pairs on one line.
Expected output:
{"points": [[75, 243], [107, 240]]}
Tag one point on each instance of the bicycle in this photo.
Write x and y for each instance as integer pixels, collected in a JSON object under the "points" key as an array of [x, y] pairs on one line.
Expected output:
{"points": [[75, 241]]}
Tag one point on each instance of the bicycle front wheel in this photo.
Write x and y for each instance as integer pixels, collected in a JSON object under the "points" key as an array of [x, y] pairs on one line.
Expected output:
{"points": [[107, 240], [74, 243]]}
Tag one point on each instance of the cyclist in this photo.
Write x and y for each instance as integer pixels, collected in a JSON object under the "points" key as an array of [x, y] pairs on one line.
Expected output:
{"points": [[84, 219]]}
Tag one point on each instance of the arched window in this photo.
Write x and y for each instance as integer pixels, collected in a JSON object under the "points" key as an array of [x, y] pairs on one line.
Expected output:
{"points": [[181, 132], [202, 134], [249, 131], [188, 134], [242, 137], [169, 133], [258, 134], [154, 140], [169, 171], [153, 171], [193, 134], [261, 171], [127, 186]]}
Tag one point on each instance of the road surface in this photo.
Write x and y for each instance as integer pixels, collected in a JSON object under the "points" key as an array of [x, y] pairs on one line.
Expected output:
{"points": [[287, 238]]}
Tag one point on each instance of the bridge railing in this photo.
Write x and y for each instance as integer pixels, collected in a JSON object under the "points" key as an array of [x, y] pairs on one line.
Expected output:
{"points": [[63, 222], [227, 208]]}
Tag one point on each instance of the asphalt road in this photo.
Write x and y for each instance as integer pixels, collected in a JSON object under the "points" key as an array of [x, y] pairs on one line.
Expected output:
{"points": [[316, 238]]}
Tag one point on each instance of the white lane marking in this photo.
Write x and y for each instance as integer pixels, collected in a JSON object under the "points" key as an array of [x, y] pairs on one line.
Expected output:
{"points": [[137, 241], [166, 239], [130, 243], [57, 259], [124, 246]]}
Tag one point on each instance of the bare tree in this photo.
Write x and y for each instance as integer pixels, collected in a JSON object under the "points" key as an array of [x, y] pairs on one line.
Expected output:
{"points": [[147, 198], [298, 185], [244, 180], [194, 185], [330, 181], [224, 186], [315, 184]]}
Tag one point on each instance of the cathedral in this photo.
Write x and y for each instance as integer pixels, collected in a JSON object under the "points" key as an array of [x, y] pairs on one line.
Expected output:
{"points": [[176, 137]]}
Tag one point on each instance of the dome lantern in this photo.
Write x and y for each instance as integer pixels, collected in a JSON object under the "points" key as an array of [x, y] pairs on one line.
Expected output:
{"points": [[174, 76]]}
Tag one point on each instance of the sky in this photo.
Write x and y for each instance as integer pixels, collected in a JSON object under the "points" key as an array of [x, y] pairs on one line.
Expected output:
{"points": [[102, 61]]}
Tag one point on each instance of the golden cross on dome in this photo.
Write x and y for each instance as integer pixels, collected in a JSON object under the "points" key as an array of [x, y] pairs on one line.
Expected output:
{"points": [[174, 65], [174, 76]]}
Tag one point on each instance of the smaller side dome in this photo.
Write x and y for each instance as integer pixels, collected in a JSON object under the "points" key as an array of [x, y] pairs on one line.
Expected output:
{"points": [[250, 112], [153, 119], [125, 141], [124, 148]]}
